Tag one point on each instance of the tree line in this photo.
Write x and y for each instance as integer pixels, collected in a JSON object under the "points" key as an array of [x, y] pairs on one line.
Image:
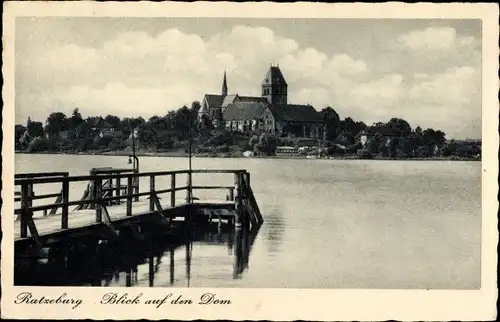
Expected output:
{"points": [[171, 132]]}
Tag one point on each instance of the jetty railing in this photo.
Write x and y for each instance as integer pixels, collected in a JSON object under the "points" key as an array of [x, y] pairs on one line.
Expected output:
{"points": [[240, 194], [30, 191]]}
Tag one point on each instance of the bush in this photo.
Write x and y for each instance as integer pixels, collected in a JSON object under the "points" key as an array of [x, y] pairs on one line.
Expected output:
{"points": [[335, 150], [39, 144], [223, 149], [423, 152], [364, 154]]}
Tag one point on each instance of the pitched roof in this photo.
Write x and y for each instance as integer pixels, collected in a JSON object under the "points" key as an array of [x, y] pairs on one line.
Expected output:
{"points": [[244, 111], [274, 76], [297, 113], [237, 98], [228, 99], [257, 99], [214, 100]]}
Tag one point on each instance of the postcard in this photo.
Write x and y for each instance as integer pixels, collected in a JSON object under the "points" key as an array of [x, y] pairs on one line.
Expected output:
{"points": [[249, 161]]}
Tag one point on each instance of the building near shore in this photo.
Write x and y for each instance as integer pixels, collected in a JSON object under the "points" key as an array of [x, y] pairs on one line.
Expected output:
{"points": [[269, 113]]}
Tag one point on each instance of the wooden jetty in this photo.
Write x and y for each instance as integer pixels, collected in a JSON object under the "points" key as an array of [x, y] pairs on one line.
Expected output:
{"points": [[112, 205]]}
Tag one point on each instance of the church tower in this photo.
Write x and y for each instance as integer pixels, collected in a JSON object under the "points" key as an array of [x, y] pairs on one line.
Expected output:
{"points": [[274, 87], [224, 85]]}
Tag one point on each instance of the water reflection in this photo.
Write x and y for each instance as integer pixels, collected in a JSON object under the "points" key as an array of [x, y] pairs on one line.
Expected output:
{"points": [[150, 259], [275, 229]]}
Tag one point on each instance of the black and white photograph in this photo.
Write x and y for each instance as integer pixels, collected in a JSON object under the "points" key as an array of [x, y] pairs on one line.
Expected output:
{"points": [[175, 153]]}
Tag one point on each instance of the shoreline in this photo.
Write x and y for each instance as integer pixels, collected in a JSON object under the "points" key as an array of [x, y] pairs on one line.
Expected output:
{"points": [[180, 154]]}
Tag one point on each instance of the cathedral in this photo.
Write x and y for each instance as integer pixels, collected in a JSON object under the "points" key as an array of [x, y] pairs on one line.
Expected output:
{"points": [[268, 113]]}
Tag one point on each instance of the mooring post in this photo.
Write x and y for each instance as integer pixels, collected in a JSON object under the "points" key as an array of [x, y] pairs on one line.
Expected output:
{"points": [[65, 207], [24, 209], [172, 192], [151, 193], [98, 208], [129, 195]]}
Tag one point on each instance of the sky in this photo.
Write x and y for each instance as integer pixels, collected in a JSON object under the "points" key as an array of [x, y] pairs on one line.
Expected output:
{"points": [[427, 72]]}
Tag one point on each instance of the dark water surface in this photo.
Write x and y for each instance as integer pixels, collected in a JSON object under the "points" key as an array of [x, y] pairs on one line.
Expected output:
{"points": [[328, 224]]}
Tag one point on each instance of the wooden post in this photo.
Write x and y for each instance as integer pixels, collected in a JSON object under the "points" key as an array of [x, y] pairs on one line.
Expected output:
{"points": [[136, 185], [172, 193], [151, 193], [247, 178], [118, 189], [65, 207], [189, 188], [98, 194], [237, 199], [151, 271], [172, 266], [30, 195], [129, 195], [94, 195], [24, 208]]}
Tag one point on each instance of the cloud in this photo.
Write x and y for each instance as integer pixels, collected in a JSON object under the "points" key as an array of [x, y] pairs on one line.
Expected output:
{"points": [[455, 86], [435, 39], [183, 65], [140, 73]]}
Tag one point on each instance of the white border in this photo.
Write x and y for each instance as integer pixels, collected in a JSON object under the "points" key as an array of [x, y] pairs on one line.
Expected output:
{"points": [[271, 304]]}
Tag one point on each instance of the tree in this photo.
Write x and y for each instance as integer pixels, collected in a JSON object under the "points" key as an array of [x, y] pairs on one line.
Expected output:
{"points": [[112, 121], [267, 144], [40, 144], [75, 119], [431, 137], [254, 140], [56, 122], [375, 144], [102, 142], [332, 121], [195, 107], [348, 125], [205, 125], [398, 127], [19, 132], [96, 122], [345, 138], [35, 129]]}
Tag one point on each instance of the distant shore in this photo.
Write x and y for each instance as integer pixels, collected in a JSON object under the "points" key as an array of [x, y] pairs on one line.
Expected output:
{"points": [[182, 154]]}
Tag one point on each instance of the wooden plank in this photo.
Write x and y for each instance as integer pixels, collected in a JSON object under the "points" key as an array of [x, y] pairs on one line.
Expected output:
{"points": [[39, 175]]}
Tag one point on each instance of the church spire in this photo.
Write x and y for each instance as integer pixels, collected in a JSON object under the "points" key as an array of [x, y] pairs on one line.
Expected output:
{"points": [[224, 85]]}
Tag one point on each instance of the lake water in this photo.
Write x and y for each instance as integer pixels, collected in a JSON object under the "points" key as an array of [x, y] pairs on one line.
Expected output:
{"points": [[328, 224]]}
